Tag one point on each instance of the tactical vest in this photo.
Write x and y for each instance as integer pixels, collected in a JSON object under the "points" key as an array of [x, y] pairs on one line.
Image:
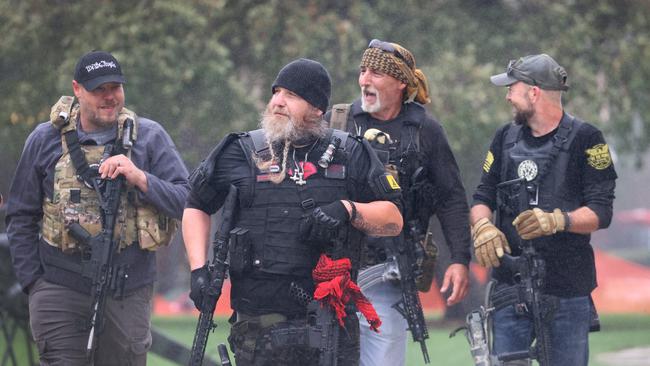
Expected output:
{"points": [[401, 159], [73, 201], [267, 238], [548, 189]]}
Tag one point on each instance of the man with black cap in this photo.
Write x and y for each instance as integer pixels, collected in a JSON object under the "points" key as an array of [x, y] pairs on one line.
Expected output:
{"points": [[60, 184], [414, 148], [304, 191], [561, 189]]}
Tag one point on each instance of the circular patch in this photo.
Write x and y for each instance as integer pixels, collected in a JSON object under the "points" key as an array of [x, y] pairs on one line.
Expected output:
{"points": [[527, 169]]}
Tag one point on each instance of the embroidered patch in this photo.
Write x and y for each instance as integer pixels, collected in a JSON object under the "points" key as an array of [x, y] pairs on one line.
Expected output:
{"points": [[527, 169], [392, 182], [599, 157], [489, 159]]}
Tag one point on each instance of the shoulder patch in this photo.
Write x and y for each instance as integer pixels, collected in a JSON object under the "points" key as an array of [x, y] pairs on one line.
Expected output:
{"points": [[598, 156], [392, 183], [489, 159]]}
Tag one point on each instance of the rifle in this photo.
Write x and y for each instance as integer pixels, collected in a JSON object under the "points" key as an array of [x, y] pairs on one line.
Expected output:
{"points": [[531, 270], [407, 258], [99, 267], [402, 255], [217, 270]]}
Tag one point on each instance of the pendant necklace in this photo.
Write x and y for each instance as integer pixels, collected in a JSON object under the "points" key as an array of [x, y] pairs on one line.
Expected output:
{"points": [[299, 171]]}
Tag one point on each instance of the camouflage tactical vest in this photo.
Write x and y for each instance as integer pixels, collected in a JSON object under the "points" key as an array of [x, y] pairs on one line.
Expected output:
{"points": [[72, 201]]}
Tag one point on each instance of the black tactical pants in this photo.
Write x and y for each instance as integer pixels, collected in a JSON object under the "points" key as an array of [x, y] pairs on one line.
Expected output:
{"points": [[58, 319], [251, 341]]}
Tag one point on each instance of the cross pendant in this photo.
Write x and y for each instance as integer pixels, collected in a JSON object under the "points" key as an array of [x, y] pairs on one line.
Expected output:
{"points": [[297, 178]]}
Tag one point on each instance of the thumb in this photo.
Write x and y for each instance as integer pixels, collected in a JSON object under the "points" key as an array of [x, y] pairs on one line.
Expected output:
{"points": [[446, 282]]}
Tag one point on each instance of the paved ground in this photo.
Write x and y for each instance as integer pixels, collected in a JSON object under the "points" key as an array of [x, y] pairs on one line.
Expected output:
{"points": [[629, 357]]}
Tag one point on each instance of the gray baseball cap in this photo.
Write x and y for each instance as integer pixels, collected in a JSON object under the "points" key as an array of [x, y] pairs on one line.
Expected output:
{"points": [[537, 70]]}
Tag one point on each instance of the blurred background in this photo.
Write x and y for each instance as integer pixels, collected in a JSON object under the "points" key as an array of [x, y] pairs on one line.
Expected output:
{"points": [[203, 68]]}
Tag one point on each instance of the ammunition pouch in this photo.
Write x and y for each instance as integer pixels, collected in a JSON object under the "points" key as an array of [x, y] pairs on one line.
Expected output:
{"points": [[427, 262], [240, 251], [268, 337]]}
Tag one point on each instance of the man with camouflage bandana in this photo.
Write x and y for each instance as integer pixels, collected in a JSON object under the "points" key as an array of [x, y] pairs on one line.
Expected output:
{"points": [[391, 113], [46, 190]]}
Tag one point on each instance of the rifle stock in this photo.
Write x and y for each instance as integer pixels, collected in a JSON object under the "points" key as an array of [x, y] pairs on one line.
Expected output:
{"points": [[217, 269]]}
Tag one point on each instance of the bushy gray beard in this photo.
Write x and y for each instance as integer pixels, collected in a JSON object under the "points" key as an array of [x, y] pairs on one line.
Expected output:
{"points": [[280, 129]]}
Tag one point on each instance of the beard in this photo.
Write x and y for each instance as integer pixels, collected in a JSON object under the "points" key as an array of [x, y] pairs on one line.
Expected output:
{"points": [[280, 129], [370, 108], [523, 115]]}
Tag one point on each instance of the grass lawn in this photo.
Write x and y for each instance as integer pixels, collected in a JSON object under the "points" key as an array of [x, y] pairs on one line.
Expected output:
{"points": [[618, 332]]}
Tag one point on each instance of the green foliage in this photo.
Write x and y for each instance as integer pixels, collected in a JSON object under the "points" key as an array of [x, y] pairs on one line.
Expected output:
{"points": [[203, 67]]}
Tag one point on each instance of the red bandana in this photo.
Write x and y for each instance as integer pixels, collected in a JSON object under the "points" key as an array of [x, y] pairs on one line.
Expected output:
{"points": [[335, 288]]}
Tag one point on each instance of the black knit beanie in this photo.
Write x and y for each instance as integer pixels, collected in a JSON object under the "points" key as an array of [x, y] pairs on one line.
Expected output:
{"points": [[308, 79]]}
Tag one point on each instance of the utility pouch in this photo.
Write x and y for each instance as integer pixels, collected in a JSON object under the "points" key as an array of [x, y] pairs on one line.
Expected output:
{"points": [[240, 251], [428, 263]]}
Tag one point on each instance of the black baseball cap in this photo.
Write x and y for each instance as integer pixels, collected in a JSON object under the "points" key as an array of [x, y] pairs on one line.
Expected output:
{"points": [[96, 68], [537, 70]]}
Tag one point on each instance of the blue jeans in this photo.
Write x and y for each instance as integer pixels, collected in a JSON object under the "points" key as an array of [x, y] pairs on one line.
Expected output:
{"points": [[569, 332]]}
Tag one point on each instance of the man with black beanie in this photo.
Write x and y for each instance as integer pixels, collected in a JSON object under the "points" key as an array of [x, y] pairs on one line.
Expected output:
{"points": [[307, 195]]}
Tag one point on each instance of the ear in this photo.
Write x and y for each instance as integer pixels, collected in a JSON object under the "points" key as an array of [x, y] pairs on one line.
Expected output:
{"points": [[402, 86], [76, 88], [534, 93]]}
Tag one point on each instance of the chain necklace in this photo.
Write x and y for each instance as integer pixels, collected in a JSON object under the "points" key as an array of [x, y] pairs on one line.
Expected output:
{"points": [[299, 171]]}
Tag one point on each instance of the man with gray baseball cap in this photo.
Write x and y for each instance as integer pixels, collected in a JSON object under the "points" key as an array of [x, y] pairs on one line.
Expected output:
{"points": [[568, 195]]}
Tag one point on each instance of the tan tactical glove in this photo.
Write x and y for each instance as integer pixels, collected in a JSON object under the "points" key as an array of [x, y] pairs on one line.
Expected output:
{"points": [[489, 243], [534, 223]]}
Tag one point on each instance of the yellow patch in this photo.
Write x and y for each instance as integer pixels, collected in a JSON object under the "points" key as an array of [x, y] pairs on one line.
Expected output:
{"points": [[489, 159], [599, 157], [392, 182]]}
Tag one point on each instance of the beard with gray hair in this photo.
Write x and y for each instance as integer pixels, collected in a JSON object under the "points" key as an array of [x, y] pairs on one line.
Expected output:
{"points": [[284, 132], [370, 108], [288, 129]]}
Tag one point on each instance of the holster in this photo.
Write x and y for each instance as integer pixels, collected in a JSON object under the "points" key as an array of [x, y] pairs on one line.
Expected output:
{"points": [[240, 251]]}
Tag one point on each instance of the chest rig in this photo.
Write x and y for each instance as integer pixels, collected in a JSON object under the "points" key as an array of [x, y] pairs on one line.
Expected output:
{"points": [[544, 168], [75, 199], [400, 158], [267, 239]]}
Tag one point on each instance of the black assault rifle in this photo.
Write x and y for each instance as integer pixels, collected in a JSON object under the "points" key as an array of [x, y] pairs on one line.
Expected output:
{"points": [[529, 267], [402, 254], [217, 272], [99, 267]]}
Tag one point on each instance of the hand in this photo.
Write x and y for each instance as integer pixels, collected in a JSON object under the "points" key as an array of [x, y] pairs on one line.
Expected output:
{"points": [[120, 164], [457, 275], [199, 280], [489, 243], [534, 223], [323, 223]]}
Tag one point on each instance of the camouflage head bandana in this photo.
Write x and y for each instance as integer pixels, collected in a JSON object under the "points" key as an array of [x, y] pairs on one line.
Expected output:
{"points": [[398, 62]]}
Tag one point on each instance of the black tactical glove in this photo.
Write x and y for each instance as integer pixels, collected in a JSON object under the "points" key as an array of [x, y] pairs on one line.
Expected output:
{"points": [[323, 224], [199, 281]]}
